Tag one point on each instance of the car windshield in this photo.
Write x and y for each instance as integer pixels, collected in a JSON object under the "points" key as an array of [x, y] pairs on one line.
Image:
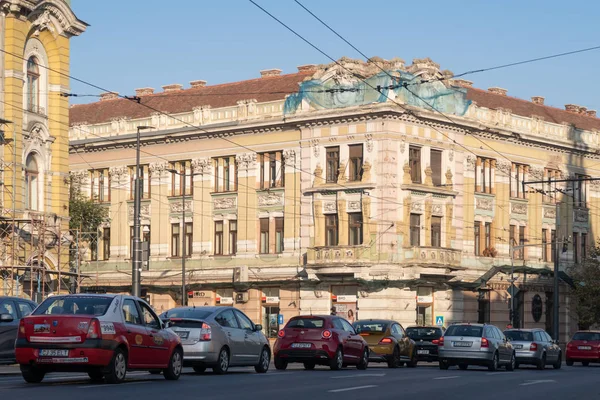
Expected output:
{"points": [[519, 336], [364, 327], [74, 305], [589, 336], [424, 333], [464, 330], [186, 313], [306, 323]]}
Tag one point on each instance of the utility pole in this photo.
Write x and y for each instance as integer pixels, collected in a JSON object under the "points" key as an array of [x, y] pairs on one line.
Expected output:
{"points": [[136, 267]]}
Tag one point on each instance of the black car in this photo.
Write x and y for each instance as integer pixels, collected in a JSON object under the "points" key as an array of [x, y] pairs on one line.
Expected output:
{"points": [[426, 341], [12, 309]]}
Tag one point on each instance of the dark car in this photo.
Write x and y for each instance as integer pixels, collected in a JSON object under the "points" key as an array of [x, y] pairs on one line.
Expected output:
{"points": [[12, 309], [320, 340], [426, 341]]}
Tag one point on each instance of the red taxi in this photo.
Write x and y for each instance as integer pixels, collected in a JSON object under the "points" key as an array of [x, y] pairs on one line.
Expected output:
{"points": [[584, 347], [320, 340], [103, 335]]}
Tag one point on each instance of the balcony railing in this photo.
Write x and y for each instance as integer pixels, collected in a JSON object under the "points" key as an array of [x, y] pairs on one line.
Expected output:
{"points": [[338, 254], [434, 255]]}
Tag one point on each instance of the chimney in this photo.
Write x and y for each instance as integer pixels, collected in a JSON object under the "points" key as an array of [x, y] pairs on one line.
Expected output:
{"points": [[461, 83], [497, 90], [109, 96], [591, 113], [270, 72], [144, 91], [539, 100], [582, 110], [197, 84], [307, 68], [172, 88], [574, 108]]}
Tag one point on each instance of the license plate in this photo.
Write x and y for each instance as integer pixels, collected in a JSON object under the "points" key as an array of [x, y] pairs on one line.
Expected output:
{"points": [[584, 347], [518, 346], [54, 353], [183, 335], [462, 344], [422, 351], [301, 345]]}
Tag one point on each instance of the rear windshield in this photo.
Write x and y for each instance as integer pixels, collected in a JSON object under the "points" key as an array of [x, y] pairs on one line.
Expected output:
{"points": [[590, 336], [306, 323], [519, 336], [363, 327], [186, 313], [424, 333], [74, 305], [464, 330]]}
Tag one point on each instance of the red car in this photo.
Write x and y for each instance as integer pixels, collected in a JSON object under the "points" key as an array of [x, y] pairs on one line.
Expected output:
{"points": [[103, 335], [320, 340], [584, 347]]}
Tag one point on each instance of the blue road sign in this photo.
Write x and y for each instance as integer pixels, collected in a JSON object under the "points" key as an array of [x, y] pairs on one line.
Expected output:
{"points": [[280, 319], [439, 320]]}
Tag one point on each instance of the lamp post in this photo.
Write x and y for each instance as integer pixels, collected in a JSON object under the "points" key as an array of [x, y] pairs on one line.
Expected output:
{"points": [[136, 267]]}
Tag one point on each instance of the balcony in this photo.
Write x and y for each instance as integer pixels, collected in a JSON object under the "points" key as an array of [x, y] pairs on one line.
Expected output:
{"points": [[338, 255], [440, 256]]}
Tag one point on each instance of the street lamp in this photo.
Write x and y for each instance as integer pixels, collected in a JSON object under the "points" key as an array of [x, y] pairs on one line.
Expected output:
{"points": [[136, 267]]}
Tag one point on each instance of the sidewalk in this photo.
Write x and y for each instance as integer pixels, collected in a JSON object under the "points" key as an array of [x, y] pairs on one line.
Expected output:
{"points": [[9, 370]]}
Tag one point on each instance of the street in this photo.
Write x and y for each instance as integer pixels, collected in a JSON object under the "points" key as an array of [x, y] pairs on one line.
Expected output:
{"points": [[425, 381]]}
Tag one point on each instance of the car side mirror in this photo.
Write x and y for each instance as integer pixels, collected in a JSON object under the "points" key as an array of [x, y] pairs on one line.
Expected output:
{"points": [[6, 318], [258, 328], [357, 329]]}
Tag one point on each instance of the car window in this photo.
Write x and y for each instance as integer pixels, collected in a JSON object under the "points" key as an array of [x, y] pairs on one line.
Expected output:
{"points": [[399, 331], [8, 308], [131, 313], [347, 327], [74, 305], [150, 319], [424, 333], [24, 308], [519, 336], [499, 334], [464, 330], [538, 337], [370, 326], [488, 332], [548, 337], [589, 336], [306, 323], [244, 321], [227, 319], [337, 324]]}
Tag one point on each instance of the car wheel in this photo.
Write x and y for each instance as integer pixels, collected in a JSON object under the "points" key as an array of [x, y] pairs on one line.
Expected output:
{"points": [[512, 364], [558, 362], [155, 371], [585, 363], [280, 364], [364, 360], [199, 369], [541, 364], [413, 360], [337, 362], [264, 362], [117, 369], [96, 376], [309, 366], [173, 371], [222, 363], [401, 364], [32, 374], [569, 363], [494, 363], [464, 367], [394, 361], [444, 365]]}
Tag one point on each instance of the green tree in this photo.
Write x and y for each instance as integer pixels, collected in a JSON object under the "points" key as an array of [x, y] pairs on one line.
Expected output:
{"points": [[586, 278], [85, 214]]}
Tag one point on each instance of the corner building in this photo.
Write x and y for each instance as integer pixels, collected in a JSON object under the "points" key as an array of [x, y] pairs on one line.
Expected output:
{"points": [[337, 187]]}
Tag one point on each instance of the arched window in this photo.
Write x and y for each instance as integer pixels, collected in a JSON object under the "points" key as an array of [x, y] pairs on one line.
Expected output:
{"points": [[33, 85], [31, 183]]}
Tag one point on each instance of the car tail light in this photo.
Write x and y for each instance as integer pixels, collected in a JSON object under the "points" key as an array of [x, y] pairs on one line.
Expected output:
{"points": [[281, 334], [205, 333], [441, 341], [386, 340], [326, 334], [21, 333], [485, 342], [94, 330], [435, 341], [533, 347]]}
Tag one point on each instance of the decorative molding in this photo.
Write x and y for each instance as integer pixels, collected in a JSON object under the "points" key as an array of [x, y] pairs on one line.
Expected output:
{"points": [[518, 208], [118, 172], [451, 155], [416, 207], [403, 144], [483, 203], [176, 206], [595, 185], [581, 215], [329, 206], [144, 212], [504, 167], [79, 177], [57, 18], [369, 138], [470, 163], [246, 160], [536, 173], [437, 209], [158, 168], [270, 199], [353, 206], [549, 212], [202, 165], [224, 203], [315, 145]]}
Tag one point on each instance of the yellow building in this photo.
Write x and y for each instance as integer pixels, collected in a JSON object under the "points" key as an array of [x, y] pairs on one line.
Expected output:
{"points": [[34, 43], [345, 186]]}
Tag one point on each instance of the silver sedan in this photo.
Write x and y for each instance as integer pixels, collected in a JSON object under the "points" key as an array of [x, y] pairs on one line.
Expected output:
{"points": [[219, 338]]}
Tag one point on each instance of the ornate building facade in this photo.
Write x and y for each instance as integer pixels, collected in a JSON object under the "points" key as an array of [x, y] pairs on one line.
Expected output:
{"points": [[34, 39], [345, 187]]}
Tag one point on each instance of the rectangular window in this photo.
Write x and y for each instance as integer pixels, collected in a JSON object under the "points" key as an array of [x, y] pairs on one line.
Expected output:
{"points": [[550, 192], [545, 245], [278, 234], [181, 178], [225, 173], [175, 240], [436, 167], [483, 307], [583, 246], [355, 229], [414, 160], [189, 239], [553, 245], [333, 164], [106, 244], [576, 247], [483, 176], [93, 247], [232, 237], [144, 182], [218, 238], [580, 190], [477, 238], [415, 230], [521, 243], [331, 230], [264, 235], [488, 235], [517, 177], [356, 162], [100, 185], [436, 231], [272, 169]]}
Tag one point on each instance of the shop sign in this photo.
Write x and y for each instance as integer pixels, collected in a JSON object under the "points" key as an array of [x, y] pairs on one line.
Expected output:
{"points": [[224, 300], [270, 299], [344, 298], [424, 299]]}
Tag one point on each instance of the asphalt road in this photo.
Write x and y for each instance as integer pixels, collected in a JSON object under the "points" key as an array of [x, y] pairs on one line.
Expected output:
{"points": [[378, 382]]}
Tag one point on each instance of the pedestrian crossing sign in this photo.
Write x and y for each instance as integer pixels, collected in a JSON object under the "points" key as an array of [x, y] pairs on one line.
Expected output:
{"points": [[439, 320]]}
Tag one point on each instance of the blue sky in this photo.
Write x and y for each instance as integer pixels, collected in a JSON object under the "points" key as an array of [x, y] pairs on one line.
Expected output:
{"points": [[151, 43]]}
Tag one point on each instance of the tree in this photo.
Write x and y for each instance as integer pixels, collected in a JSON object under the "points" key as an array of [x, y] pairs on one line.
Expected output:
{"points": [[586, 278], [85, 214]]}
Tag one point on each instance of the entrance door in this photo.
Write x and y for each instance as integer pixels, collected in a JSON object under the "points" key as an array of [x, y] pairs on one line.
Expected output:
{"points": [[424, 314]]}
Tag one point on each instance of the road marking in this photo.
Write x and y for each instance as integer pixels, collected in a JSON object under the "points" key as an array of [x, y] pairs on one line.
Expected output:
{"points": [[352, 388], [495, 373], [446, 377], [355, 376], [538, 382]]}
